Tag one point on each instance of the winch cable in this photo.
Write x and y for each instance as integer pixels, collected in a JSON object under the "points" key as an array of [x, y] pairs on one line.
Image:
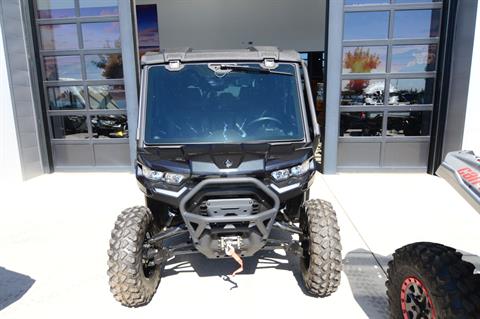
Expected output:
{"points": [[230, 251]]}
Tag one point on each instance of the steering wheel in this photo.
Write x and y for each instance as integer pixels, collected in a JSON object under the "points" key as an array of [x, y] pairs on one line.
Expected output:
{"points": [[265, 119]]}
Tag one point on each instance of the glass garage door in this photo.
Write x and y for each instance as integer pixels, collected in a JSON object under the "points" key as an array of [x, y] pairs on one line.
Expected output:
{"points": [[82, 73], [388, 78]]}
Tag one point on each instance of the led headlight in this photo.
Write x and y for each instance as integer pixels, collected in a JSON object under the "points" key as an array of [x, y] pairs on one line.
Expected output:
{"points": [[281, 175], [151, 174], [298, 170], [174, 179]]}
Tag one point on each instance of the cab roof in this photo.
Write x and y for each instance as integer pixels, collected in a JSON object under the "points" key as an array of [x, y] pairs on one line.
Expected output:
{"points": [[257, 53]]}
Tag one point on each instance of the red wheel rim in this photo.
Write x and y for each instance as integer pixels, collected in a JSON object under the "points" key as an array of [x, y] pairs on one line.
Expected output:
{"points": [[415, 300]]}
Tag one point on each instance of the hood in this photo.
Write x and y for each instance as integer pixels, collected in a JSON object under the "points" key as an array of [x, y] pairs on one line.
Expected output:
{"points": [[224, 159]]}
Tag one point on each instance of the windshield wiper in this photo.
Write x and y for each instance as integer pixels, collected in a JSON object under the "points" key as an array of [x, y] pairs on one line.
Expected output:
{"points": [[247, 69]]}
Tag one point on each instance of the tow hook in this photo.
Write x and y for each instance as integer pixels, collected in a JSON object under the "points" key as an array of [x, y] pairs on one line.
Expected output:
{"points": [[228, 244]]}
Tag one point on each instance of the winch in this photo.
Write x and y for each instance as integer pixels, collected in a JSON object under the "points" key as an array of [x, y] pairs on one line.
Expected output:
{"points": [[228, 244]]}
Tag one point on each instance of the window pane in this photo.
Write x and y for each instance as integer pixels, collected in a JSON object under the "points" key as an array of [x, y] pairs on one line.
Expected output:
{"points": [[361, 123], [417, 24], [197, 104], [364, 59], [147, 28], [411, 91], [357, 2], [52, 9], [98, 8], [66, 98], [365, 25], [363, 92], [415, 123], [414, 58], [102, 35], [58, 36], [416, 1], [71, 127], [103, 97], [109, 126], [62, 68], [104, 66]]}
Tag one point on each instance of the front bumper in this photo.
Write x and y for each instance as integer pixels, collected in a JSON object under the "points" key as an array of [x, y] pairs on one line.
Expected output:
{"points": [[207, 232]]}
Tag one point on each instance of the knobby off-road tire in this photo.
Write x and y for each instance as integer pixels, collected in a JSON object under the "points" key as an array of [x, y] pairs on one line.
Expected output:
{"points": [[131, 282], [321, 263], [448, 282]]}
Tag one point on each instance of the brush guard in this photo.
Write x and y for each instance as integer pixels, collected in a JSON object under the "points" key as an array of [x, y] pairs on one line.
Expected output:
{"points": [[208, 233]]}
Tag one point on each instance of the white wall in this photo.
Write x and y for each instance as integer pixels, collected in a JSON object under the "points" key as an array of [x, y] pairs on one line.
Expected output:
{"points": [[10, 169], [221, 24], [471, 133]]}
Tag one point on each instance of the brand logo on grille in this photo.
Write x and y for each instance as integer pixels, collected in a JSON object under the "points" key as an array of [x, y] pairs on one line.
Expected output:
{"points": [[228, 163]]}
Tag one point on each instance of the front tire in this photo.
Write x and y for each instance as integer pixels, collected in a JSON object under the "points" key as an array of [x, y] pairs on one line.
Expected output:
{"points": [[321, 262], [431, 281], [133, 282]]}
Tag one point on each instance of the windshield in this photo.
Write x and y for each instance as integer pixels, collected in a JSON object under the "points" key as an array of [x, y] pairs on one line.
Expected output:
{"points": [[222, 103]]}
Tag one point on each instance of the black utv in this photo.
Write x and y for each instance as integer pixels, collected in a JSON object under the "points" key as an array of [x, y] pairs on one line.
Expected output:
{"points": [[225, 153]]}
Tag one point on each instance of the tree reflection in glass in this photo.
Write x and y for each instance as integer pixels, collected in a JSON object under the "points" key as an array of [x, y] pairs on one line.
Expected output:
{"points": [[104, 66], [364, 59]]}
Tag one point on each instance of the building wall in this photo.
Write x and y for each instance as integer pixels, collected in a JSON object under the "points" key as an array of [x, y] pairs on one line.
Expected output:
{"points": [[462, 63], [471, 134], [220, 24], [27, 120], [9, 154]]}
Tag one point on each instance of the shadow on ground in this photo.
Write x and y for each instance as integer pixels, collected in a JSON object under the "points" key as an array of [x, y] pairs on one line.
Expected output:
{"points": [[12, 286], [367, 281], [221, 268]]}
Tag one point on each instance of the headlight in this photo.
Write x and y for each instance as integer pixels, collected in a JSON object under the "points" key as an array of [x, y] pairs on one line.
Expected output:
{"points": [[151, 174], [298, 170], [281, 175], [175, 179], [169, 178]]}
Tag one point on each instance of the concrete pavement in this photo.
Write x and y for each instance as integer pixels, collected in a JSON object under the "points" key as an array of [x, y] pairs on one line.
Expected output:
{"points": [[54, 233]]}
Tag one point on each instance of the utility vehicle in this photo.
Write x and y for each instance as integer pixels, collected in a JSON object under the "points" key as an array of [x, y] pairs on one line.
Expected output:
{"points": [[429, 280], [225, 154]]}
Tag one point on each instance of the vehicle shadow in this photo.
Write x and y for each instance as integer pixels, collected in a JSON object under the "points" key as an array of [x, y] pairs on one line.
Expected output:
{"points": [[12, 286], [223, 267], [366, 275]]}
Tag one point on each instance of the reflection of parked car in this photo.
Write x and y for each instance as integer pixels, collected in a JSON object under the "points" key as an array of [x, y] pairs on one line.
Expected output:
{"points": [[360, 124], [74, 124], [110, 126], [410, 123]]}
